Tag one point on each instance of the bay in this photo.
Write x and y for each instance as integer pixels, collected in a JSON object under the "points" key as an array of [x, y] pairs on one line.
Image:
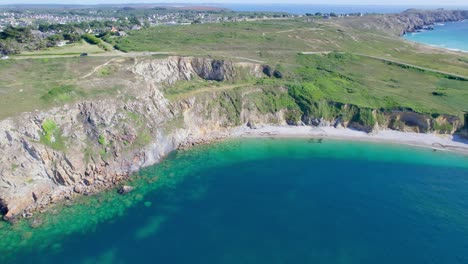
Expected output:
{"points": [[265, 201]]}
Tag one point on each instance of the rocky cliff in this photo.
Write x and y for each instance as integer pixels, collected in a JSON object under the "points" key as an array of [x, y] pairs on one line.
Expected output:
{"points": [[91, 145], [82, 148], [408, 21], [412, 20]]}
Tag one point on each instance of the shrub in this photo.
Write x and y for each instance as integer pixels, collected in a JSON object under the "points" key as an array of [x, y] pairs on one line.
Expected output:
{"points": [[49, 127], [91, 39], [102, 140], [51, 135], [366, 117]]}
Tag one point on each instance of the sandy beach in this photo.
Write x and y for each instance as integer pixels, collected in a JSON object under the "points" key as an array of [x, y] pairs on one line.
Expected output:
{"points": [[434, 141]]}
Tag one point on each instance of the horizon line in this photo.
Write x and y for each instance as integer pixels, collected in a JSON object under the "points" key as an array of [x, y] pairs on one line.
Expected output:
{"points": [[208, 3]]}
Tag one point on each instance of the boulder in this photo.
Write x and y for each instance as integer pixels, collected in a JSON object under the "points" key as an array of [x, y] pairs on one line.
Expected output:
{"points": [[125, 189]]}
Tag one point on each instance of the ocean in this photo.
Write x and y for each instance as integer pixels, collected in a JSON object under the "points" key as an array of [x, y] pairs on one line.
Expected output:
{"points": [[265, 201], [450, 35], [301, 9]]}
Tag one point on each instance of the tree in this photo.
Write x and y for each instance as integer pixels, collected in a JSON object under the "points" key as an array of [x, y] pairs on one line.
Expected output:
{"points": [[71, 37], [9, 46], [20, 34], [91, 39]]}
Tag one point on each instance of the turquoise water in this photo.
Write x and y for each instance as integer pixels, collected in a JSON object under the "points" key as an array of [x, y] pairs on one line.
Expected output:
{"points": [[451, 35], [266, 201]]}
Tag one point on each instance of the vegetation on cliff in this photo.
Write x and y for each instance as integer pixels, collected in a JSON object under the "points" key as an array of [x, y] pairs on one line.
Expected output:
{"points": [[94, 120]]}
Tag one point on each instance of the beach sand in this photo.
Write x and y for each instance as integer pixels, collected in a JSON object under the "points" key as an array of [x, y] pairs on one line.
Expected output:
{"points": [[434, 141]]}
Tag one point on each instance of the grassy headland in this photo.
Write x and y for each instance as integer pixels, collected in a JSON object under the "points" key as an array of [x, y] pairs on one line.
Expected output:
{"points": [[346, 60]]}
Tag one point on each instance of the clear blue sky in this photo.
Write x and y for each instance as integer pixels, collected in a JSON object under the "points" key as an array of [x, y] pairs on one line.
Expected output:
{"points": [[343, 2]]}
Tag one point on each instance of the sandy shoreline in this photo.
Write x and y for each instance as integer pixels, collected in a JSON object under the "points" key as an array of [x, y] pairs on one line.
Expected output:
{"points": [[434, 141]]}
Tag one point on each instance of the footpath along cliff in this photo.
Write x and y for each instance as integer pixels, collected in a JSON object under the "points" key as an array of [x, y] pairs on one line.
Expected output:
{"points": [[85, 147]]}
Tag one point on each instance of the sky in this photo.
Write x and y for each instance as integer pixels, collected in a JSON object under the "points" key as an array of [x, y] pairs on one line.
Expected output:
{"points": [[340, 2]]}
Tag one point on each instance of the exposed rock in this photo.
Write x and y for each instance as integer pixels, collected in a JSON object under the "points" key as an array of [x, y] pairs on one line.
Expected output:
{"points": [[414, 19], [251, 125], [267, 70], [408, 21], [3, 207], [277, 74], [79, 189], [125, 189], [138, 133]]}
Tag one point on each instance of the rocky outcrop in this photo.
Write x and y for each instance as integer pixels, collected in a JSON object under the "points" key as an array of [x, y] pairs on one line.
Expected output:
{"points": [[413, 20], [97, 144], [174, 69], [93, 145], [125, 189], [408, 21]]}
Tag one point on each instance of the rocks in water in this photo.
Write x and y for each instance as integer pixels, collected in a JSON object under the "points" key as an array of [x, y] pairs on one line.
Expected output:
{"points": [[125, 189], [36, 222]]}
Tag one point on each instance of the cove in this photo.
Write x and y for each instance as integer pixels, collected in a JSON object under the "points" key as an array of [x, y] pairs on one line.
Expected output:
{"points": [[450, 35], [265, 201]]}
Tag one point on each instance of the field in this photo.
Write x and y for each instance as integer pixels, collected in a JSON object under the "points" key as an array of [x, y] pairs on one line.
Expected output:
{"points": [[337, 60], [70, 49], [278, 40], [37, 84]]}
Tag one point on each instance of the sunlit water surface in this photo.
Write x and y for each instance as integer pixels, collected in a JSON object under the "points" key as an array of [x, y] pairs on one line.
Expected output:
{"points": [[265, 201]]}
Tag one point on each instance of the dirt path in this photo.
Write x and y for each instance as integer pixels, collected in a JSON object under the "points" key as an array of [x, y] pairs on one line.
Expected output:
{"points": [[243, 58], [97, 68], [393, 62], [103, 54], [413, 66]]}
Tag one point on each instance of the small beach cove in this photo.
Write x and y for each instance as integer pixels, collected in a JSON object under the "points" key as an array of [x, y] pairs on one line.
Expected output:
{"points": [[448, 35], [257, 200]]}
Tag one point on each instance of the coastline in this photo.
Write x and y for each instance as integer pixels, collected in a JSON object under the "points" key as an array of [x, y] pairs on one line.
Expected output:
{"points": [[437, 46], [432, 141]]}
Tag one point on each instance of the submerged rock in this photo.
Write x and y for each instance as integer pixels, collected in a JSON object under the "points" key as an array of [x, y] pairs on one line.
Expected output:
{"points": [[125, 189]]}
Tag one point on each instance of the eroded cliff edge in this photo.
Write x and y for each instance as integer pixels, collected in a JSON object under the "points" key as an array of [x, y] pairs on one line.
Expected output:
{"points": [[411, 20], [82, 148]]}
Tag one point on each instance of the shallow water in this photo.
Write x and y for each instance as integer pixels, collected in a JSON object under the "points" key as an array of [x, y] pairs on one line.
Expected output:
{"points": [[450, 35], [266, 201]]}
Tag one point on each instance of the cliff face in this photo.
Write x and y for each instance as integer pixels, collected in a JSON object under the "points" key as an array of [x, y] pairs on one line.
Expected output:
{"points": [[407, 21], [83, 148], [413, 20], [91, 145]]}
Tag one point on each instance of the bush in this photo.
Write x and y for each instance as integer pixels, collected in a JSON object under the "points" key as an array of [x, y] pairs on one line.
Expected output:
{"points": [[51, 135], [62, 94], [102, 140], [366, 117], [91, 39], [49, 127]]}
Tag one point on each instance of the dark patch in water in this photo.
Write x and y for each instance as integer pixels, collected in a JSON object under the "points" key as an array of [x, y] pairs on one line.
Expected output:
{"points": [[315, 141]]}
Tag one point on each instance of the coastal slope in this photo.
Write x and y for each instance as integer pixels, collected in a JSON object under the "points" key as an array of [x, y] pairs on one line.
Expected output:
{"points": [[118, 115]]}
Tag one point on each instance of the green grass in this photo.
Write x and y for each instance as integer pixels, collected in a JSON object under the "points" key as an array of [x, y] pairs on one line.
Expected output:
{"points": [[372, 83], [277, 40], [70, 49], [102, 140], [350, 76], [52, 135], [62, 94], [39, 84]]}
